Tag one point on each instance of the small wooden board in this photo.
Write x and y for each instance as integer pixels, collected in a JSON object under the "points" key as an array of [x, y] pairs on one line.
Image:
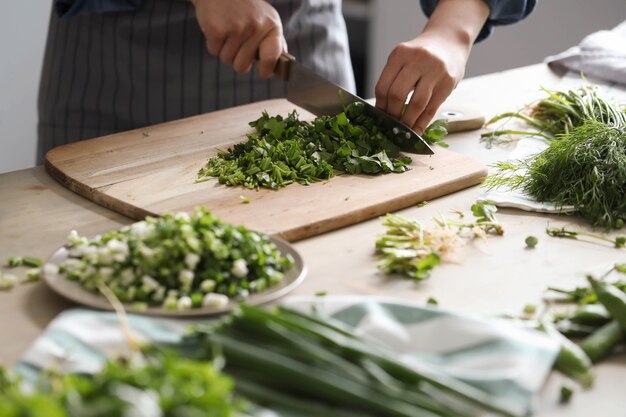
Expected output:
{"points": [[153, 170]]}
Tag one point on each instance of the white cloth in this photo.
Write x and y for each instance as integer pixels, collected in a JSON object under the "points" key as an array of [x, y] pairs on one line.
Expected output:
{"points": [[600, 55]]}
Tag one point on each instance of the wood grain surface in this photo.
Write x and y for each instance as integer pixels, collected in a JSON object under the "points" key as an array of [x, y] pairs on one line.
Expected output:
{"points": [[153, 170]]}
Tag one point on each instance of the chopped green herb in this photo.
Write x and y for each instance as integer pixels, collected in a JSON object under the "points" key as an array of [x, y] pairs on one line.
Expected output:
{"points": [[566, 394], [432, 300], [7, 281], [530, 309], [15, 261], [286, 150], [421, 204], [33, 274], [531, 241], [435, 132], [321, 293], [244, 200]]}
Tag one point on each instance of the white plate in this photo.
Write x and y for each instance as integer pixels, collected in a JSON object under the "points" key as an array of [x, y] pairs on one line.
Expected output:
{"points": [[74, 291]]}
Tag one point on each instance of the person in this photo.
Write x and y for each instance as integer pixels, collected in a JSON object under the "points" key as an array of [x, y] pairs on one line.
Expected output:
{"points": [[116, 65]]}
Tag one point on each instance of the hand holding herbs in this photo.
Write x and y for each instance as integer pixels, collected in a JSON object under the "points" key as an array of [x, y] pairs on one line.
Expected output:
{"points": [[410, 248], [584, 165], [175, 261], [287, 150]]}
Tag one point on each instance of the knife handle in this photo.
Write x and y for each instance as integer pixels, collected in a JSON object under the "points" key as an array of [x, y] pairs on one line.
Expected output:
{"points": [[283, 65]]}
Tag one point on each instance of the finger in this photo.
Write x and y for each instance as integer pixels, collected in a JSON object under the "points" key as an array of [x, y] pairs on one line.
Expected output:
{"points": [[390, 72], [404, 83], [229, 49], [247, 53], [439, 96], [214, 44], [269, 51], [418, 102]]}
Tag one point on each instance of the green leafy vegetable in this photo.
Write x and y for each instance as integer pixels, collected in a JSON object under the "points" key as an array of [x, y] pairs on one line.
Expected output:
{"points": [[560, 113], [287, 150], [435, 132], [585, 168], [176, 261]]}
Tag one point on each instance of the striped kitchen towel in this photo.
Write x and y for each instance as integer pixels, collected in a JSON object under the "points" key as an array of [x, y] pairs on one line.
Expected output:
{"points": [[492, 355]]}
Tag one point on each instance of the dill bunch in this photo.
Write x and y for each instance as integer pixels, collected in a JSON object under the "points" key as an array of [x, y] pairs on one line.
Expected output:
{"points": [[585, 168], [560, 112]]}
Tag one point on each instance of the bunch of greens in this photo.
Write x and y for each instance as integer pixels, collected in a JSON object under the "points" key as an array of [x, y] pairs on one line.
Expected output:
{"points": [[561, 112], [176, 261], [410, 248], [166, 385], [287, 150], [317, 366], [585, 168]]}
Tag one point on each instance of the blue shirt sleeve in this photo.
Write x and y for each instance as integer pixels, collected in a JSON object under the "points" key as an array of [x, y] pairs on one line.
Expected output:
{"points": [[69, 8], [502, 12]]}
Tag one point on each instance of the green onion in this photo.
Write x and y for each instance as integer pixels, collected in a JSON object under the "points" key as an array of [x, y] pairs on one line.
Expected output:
{"points": [[292, 359], [176, 261]]}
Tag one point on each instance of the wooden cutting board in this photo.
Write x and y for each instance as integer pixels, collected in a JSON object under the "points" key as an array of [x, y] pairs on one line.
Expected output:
{"points": [[152, 170]]}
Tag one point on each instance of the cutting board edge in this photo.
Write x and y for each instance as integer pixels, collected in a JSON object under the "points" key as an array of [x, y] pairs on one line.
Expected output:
{"points": [[96, 195], [368, 213]]}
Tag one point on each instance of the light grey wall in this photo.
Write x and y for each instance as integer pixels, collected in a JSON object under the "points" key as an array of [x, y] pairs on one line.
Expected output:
{"points": [[23, 30], [555, 25]]}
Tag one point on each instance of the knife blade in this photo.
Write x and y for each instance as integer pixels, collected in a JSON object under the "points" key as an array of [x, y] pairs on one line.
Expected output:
{"points": [[321, 97]]}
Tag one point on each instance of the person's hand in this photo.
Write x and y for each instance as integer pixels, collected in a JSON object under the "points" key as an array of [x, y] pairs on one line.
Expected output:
{"points": [[239, 31], [430, 65]]}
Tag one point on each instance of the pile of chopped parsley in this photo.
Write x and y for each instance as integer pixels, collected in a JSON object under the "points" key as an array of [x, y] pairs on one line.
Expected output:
{"points": [[283, 150]]}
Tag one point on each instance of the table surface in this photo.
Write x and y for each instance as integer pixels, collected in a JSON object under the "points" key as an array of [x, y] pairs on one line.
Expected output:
{"points": [[495, 276]]}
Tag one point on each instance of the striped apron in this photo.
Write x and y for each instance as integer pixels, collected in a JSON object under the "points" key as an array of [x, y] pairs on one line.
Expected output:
{"points": [[111, 72]]}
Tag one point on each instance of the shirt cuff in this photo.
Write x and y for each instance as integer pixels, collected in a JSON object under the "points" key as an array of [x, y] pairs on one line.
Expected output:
{"points": [[501, 12]]}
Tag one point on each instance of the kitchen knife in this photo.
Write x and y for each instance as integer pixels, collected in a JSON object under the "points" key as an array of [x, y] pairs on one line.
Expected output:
{"points": [[321, 97]]}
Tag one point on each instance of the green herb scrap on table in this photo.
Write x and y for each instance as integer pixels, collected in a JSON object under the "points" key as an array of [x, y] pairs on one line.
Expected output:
{"points": [[175, 261], [584, 165], [410, 248], [284, 150]]}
